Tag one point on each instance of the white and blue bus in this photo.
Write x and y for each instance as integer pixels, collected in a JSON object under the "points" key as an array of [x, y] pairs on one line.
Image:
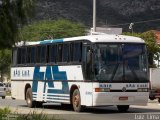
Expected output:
{"points": [[95, 70]]}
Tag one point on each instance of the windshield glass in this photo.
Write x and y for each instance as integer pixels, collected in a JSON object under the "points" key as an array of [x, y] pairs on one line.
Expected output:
{"points": [[120, 62]]}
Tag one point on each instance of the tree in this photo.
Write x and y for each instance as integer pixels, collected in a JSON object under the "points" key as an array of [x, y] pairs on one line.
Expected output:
{"points": [[51, 30], [13, 13], [152, 47], [5, 60]]}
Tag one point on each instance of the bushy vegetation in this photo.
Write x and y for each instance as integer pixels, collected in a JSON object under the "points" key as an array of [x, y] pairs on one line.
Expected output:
{"points": [[13, 14], [5, 61], [4, 113], [44, 30]]}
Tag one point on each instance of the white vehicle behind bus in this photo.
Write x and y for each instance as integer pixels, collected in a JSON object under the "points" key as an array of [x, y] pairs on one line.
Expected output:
{"points": [[2, 90], [154, 84], [96, 70]]}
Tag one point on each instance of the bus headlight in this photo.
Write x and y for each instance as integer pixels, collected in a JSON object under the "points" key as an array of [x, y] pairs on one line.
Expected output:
{"points": [[142, 90], [102, 89]]}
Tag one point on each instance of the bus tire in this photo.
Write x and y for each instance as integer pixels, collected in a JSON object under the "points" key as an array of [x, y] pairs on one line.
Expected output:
{"points": [[123, 108], [29, 99], [76, 101], [3, 97], [151, 98], [13, 98]]}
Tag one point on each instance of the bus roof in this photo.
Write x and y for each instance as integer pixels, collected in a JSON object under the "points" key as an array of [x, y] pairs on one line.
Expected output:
{"points": [[92, 38]]}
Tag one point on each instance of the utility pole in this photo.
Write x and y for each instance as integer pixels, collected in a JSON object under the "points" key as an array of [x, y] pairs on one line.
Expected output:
{"points": [[94, 15]]}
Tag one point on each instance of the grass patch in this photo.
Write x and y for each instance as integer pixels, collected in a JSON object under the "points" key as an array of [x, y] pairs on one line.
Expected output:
{"points": [[7, 114], [4, 113]]}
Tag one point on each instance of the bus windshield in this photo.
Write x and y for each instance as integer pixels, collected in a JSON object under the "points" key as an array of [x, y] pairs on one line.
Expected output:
{"points": [[120, 62]]}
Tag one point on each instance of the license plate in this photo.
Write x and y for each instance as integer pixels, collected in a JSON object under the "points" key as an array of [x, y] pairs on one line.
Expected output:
{"points": [[123, 98]]}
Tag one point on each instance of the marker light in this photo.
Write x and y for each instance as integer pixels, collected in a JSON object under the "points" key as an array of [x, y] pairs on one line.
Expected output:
{"points": [[102, 90]]}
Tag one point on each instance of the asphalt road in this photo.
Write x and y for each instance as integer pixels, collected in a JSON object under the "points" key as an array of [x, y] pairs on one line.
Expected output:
{"points": [[149, 112]]}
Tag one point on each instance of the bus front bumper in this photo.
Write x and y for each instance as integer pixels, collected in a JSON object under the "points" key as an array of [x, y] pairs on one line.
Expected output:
{"points": [[120, 98]]}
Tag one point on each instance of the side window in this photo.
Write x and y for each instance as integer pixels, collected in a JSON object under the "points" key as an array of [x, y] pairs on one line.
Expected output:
{"points": [[77, 56], [14, 56], [28, 58], [43, 54], [33, 54], [52, 53], [60, 47], [71, 52], [38, 54], [65, 52], [23, 56], [19, 56]]}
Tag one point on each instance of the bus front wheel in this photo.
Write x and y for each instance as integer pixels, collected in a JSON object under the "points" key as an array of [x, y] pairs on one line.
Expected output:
{"points": [[123, 108], [29, 100], [76, 101]]}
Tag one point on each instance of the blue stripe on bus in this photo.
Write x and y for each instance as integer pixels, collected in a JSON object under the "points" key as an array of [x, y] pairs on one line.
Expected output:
{"points": [[53, 101], [57, 99], [56, 96], [51, 41], [51, 73]]}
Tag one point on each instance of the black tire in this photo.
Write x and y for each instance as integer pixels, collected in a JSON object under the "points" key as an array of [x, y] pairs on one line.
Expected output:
{"points": [[123, 108], [151, 96], [13, 98], [29, 99], [159, 100], [76, 101], [3, 97]]}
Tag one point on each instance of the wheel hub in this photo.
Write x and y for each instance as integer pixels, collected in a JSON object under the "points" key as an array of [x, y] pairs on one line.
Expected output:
{"points": [[76, 100], [28, 99]]}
